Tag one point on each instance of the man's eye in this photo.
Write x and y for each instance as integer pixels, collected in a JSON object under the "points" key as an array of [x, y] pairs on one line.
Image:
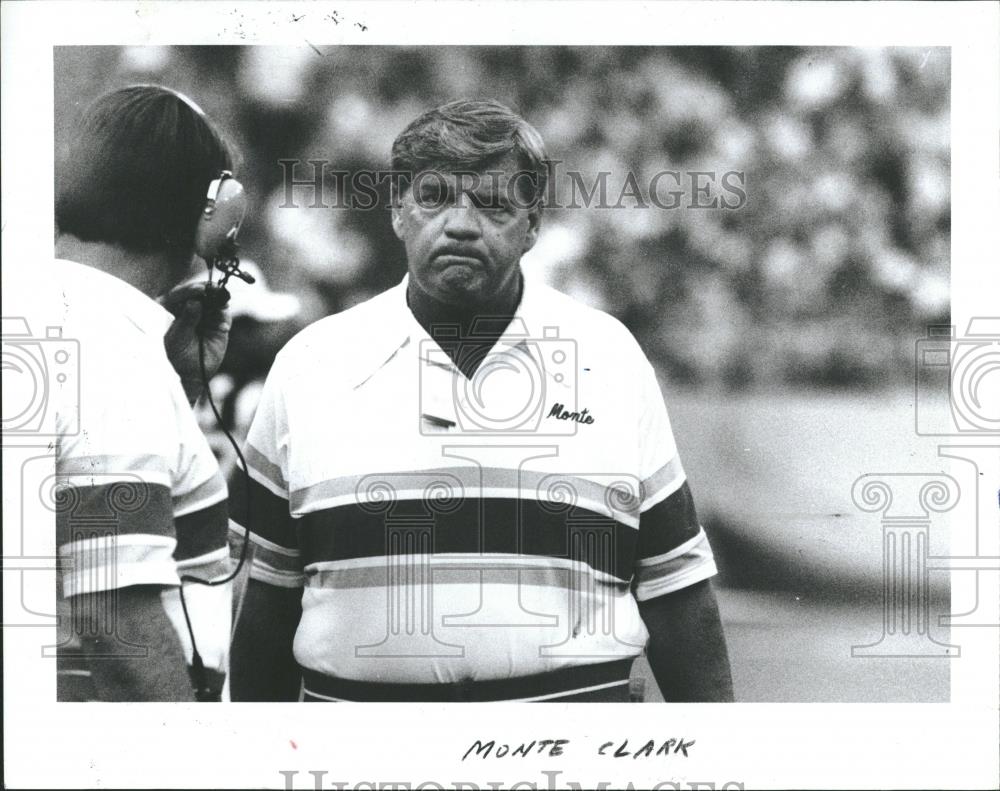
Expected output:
{"points": [[490, 203]]}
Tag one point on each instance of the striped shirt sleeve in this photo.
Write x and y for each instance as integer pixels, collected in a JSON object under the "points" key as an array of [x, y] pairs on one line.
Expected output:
{"points": [[673, 551], [260, 500], [114, 478], [139, 499]]}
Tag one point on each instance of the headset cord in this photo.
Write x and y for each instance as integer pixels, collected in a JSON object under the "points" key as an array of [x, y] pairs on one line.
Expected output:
{"points": [[203, 691]]}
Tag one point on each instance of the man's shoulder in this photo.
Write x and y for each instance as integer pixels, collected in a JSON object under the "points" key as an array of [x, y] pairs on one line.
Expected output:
{"points": [[576, 321], [352, 334], [85, 307]]}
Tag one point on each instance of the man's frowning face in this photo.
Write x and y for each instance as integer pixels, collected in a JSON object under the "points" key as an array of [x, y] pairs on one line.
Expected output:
{"points": [[465, 233]]}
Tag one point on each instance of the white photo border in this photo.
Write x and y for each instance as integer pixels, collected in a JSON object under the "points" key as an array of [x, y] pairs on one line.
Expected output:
{"points": [[953, 745]]}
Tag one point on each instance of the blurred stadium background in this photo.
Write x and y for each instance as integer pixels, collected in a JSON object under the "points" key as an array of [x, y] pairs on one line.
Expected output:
{"points": [[784, 330]]}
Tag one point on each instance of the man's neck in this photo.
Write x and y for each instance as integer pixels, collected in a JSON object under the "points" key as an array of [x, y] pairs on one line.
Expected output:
{"points": [[150, 273], [487, 319], [478, 326]]}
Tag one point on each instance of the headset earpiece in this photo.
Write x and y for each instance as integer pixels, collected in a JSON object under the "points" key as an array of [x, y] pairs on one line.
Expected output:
{"points": [[225, 208], [215, 237]]}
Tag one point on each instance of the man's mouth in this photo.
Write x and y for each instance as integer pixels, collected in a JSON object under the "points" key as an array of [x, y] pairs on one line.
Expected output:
{"points": [[458, 258]]}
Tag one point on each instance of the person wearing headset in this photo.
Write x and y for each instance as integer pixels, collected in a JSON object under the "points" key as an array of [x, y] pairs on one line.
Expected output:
{"points": [[140, 502]]}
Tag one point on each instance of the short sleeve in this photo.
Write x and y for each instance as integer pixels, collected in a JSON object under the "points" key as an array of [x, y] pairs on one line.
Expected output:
{"points": [[260, 496], [673, 550], [115, 475]]}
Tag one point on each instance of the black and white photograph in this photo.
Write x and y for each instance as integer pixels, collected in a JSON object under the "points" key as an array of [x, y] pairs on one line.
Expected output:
{"points": [[355, 353]]}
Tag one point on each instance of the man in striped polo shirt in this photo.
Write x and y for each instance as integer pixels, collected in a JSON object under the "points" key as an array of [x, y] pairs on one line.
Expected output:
{"points": [[138, 497], [467, 488]]}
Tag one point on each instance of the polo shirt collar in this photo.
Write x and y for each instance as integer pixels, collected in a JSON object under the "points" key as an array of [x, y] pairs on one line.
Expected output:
{"points": [[395, 326]]}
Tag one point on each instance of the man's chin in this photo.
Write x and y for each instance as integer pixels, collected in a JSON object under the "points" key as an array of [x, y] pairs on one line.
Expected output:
{"points": [[462, 284]]}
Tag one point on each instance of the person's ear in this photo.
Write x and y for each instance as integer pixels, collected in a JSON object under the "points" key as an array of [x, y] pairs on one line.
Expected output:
{"points": [[534, 225], [396, 202]]}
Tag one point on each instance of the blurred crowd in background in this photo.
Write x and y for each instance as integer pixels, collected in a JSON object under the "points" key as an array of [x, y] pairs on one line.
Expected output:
{"points": [[784, 329], [824, 277]]}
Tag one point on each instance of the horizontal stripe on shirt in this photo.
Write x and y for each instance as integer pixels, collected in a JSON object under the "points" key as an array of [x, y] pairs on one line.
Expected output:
{"points": [[612, 495], [374, 529], [94, 564], [202, 531], [691, 562], [266, 469], [613, 692], [253, 505], [110, 468], [208, 567], [455, 570], [119, 508], [209, 493], [473, 526], [279, 578], [269, 562], [668, 524], [662, 483], [540, 686]]}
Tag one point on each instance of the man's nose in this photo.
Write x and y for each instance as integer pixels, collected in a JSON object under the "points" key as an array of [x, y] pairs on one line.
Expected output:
{"points": [[461, 222]]}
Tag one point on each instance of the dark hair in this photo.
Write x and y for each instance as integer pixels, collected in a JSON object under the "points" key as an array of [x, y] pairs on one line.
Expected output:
{"points": [[470, 135], [138, 171]]}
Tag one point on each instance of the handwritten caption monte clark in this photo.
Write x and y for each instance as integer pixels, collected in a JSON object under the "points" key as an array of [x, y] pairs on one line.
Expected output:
{"points": [[557, 747]]}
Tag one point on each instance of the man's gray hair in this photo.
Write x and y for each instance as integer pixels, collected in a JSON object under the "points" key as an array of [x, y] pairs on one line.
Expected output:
{"points": [[470, 135]]}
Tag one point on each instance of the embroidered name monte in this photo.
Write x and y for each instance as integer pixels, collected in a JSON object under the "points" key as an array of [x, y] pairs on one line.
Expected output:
{"points": [[559, 411]]}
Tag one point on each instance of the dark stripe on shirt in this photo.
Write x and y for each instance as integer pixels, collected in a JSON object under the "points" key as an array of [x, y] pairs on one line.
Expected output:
{"points": [[202, 531], [563, 682], [120, 508], [472, 525], [256, 507], [668, 524]]}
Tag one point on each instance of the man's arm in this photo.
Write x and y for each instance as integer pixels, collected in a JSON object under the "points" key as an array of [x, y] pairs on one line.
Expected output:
{"points": [[687, 647], [127, 621], [262, 666]]}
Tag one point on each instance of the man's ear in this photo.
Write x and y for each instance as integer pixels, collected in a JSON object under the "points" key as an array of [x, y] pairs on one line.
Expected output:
{"points": [[397, 221], [396, 202], [534, 225]]}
